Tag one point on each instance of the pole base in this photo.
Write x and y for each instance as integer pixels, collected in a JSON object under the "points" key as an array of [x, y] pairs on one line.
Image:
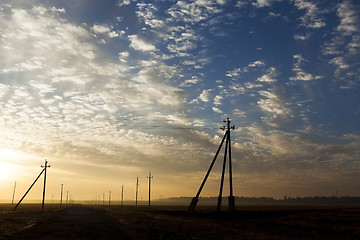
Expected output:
{"points": [[193, 203], [231, 203], [219, 203]]}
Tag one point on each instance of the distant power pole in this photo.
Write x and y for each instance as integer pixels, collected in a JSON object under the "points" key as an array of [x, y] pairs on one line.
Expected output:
{"points": [[12, 202], [45, 167], [137, 186], [103, 199], [149, 177], [109, 197], [122, 195], [61, 195]]}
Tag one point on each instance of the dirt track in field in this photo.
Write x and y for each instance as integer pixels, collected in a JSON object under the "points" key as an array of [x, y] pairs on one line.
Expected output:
{"points": [[75, 222]]}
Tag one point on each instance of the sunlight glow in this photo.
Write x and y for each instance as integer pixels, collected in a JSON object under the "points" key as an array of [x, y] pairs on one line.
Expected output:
{"points": [[6, 155]]}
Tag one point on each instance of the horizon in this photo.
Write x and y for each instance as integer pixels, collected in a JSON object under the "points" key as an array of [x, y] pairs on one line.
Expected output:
{"points": [[110, 91]]}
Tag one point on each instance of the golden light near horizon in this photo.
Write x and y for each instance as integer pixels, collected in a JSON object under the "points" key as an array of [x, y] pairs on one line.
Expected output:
{"points": [[6, 169]]}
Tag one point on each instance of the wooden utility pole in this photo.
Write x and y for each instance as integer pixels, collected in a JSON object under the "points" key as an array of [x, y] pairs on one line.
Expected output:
{"points": [[45, 167], [227, 149], [149, 177], [122, 195], [61, 195], [44, 170], [12, 202], [137, 186]]}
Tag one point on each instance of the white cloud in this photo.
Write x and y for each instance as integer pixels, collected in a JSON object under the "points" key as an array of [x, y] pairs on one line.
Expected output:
{"points": [[301, 75], [140, 44], [123, 56], [262, 3], [193, 12], [145, 13], [256, 64], [98, 28], [238, 113], [266, 78], [349, 18], [218, 100], [274, 106], [241, 3], [205, 95], [123, 2], [190, 82], [217, 110], [311, 19], [302, 37]]}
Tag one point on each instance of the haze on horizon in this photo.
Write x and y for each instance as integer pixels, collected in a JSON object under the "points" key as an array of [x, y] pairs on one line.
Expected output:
{"points": [[108, 91]]}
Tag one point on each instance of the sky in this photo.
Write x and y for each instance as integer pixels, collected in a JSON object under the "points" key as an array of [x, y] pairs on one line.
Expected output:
{"points": [[108, 91]]}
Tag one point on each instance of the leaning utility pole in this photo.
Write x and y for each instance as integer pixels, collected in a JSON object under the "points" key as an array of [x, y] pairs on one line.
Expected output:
{"points": [[44, 170], [12, 202], [137, 186], [227, 148], [149, 177]]}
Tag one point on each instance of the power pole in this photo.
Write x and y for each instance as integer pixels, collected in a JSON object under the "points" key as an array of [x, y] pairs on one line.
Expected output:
{"points": [[137, 186], [103, 199], [227, 148], [149, 177], [45, 167], [109, 197], [12, 202], [61, 195], [29, 189], [122, 195]]}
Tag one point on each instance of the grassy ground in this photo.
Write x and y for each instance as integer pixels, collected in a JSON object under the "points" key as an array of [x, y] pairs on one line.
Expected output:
{"points": [[161, 222], [175, 222]]}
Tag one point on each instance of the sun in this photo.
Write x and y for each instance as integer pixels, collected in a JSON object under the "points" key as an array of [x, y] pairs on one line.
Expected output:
{"points": [[5, 171], [6, 155]]}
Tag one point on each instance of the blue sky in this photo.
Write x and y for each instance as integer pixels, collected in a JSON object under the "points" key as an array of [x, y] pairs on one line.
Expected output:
{"points": [[111, 90]]}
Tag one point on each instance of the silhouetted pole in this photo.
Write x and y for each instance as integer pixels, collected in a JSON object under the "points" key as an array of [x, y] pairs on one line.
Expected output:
{"points": [[29, 189], [137, 185], [196, 198], [61, 195], [150, 177], [45, 167], [12, 202], [122, 195], [231, 197], [109, 197], [103, 199], [223, 174]]}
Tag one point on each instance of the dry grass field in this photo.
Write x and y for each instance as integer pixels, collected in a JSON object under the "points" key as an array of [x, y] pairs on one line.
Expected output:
{"points": [[175, 222]]}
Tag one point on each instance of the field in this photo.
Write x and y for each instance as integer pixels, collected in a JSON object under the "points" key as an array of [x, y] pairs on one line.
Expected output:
{"points": [[175, 222]]}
